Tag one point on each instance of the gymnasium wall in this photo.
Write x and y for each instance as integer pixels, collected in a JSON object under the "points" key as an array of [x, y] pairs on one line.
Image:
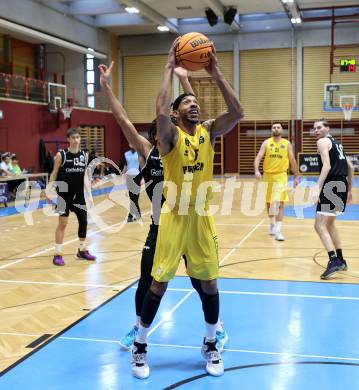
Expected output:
{"points": [[316, 73], [24, 124], [23, 55], [1, 48], [267, 83], [142, 78]]}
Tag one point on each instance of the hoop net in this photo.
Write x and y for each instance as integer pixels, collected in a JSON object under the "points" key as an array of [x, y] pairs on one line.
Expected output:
{"points": [[66, 111], [347, 111]]}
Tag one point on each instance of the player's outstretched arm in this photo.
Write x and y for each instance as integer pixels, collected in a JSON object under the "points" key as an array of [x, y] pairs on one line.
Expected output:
{"points": [[139, 143], [166, 130], [226, 121], [293, 164], [258, 159]]}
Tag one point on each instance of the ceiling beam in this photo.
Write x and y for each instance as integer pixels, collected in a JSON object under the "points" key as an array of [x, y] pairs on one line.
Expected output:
{"points": [[94, 7], [216, 6], [124, 19], [47, 38], [150, 14]]}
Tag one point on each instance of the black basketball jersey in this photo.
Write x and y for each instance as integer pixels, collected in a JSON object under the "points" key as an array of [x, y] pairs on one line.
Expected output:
{"points": [[338, 161], [72, 170], [152, 173]]}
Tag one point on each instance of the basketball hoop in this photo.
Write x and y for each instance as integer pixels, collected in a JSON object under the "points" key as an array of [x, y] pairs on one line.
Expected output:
{"points": [[66, 111], [347, 110]]}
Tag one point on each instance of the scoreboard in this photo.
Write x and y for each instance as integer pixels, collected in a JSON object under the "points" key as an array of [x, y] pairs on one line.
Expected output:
{"points": [[348, 65]]}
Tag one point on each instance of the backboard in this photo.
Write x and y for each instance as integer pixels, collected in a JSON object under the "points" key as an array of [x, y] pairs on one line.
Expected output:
{"points": [[57, 96], [336, 95]]}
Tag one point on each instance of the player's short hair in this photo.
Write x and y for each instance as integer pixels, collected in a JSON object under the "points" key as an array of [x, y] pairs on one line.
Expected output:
{"points": [[277, 123], [324, 121], [179, 99], [71, 131]]}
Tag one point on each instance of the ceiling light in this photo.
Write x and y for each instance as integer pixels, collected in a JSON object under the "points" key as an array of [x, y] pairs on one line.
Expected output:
{"points": [[298, 20], [132, 10], [293, 20], [163, 28]]}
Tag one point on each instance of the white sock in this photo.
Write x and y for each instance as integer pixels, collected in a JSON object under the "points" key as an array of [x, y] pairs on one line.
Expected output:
{"points": [[272, 220], [279, 226], [219, 327], [142, 334], [138, 319], [58, 249], [210, 332], [82, 246]]}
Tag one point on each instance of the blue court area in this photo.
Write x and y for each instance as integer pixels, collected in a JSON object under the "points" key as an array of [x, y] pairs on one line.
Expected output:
{"points": [[351, 212], [283, 336], [307, 211], [38, 204]]}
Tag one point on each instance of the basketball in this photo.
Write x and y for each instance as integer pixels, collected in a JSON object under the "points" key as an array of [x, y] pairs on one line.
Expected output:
{"points": [[193, 50]]}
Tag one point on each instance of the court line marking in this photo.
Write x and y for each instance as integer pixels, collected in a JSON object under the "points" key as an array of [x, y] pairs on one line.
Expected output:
{"points": [[65, 243], [63, 284], [288, 226], [168, 314], [188, 290], [249, 351]]}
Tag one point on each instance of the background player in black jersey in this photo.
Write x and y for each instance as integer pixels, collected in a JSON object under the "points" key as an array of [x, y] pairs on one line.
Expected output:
{"points": [[331, 194], [152, 172], [71, 181]]}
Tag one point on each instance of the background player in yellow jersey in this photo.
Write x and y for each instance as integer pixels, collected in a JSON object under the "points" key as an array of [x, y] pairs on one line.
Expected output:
{"points": [[185, 229], [278, 154]]}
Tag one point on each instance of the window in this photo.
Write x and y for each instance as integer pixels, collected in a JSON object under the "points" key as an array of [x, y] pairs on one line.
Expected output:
{"points": [[90, 79]]}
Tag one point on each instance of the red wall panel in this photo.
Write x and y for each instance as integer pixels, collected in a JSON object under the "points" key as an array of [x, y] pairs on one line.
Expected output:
{"points": [[25, 124]]}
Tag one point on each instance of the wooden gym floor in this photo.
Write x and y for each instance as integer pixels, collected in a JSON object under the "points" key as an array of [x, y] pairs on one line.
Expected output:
{"points": [[39, 298]]}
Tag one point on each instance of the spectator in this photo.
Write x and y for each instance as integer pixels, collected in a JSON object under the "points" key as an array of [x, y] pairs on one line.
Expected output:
{"points": [[5, 159], [15, 167], [133, 180]]}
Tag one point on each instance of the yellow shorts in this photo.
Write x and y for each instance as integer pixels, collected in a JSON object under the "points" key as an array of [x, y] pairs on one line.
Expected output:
{"points": [[277, 187], [191, 235]]}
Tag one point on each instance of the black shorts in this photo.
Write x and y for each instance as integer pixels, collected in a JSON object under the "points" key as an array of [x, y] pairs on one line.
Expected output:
{"points": [[69, 202], [333, 197]]}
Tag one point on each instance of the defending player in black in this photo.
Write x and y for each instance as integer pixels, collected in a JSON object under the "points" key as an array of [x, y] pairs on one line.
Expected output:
{"points": [[72, 184], [331, 194]]}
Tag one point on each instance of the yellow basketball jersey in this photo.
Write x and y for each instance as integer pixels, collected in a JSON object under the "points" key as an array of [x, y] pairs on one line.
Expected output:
{"points": [[276, 157], [187, 165]]}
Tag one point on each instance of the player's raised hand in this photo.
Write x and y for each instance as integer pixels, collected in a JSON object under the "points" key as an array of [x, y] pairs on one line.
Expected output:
{"points": [[213, 68], [105, 73], [181, 73], [172, 54]]}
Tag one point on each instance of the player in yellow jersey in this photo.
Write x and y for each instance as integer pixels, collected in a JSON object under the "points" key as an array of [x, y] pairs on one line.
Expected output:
{"points": [[278, 155], [185, 229]]}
